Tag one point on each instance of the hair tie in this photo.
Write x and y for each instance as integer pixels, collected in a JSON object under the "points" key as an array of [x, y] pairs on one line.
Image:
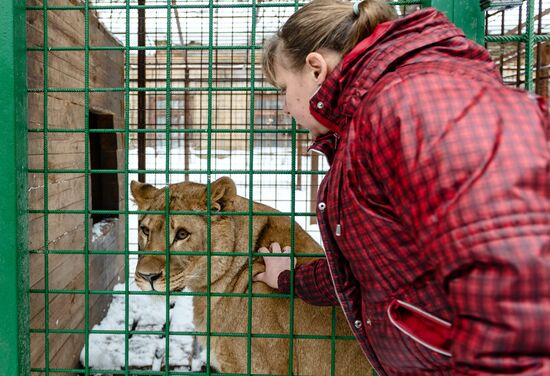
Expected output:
{"points": [[356, 8]]}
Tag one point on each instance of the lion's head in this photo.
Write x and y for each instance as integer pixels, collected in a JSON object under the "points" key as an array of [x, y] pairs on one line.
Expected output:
{"points": [[187, 233]]}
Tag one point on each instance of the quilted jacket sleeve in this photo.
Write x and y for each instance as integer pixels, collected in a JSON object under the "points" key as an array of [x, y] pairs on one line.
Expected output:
{"points": [[465, 164], [312, 283]]}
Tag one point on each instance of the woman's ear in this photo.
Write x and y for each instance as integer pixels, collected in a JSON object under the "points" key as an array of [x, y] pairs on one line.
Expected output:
{"points": [[318, 66]]}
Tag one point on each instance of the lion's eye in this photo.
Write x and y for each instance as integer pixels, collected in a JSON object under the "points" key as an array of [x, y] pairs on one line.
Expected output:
{"points": [[144, 229], [181, 234]]}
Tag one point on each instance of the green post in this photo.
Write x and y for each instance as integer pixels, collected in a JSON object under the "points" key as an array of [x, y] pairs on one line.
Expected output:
{"points": [[466, 14], [14, 297]]}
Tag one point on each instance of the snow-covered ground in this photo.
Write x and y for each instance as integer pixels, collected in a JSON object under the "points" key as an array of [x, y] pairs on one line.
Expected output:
{"points": [[145, 313], [148, 313]]}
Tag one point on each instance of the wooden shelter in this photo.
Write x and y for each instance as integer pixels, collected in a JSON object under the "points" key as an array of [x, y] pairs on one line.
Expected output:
{"points": [[62, 233]]}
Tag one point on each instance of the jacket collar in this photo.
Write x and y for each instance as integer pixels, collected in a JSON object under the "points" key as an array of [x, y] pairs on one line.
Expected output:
{"points": [[391, 44], [326, 145]]}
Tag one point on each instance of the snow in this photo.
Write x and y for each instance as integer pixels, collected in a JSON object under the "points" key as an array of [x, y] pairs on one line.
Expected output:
{"points": [[99, 229], [145, 313]]}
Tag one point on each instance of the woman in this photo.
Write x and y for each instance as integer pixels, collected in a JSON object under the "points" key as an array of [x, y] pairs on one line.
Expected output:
{"points": [[435, 213]]}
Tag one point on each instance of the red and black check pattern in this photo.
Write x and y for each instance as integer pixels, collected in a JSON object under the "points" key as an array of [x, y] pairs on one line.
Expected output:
{"points": [[439, 182]]}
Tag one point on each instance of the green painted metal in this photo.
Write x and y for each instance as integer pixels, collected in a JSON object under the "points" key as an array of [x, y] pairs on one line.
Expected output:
{"points": [[14, 330], [466, 14], [530, 45], [46, 186], [14, 264], [517, 38], [529, 39], [87, 177], [167, 177], [126, 192], [250, 204], [208, 186]]}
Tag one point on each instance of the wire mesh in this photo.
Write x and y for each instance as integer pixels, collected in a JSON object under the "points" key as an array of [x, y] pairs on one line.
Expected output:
{"points": [[179, 98], [519, 43]]}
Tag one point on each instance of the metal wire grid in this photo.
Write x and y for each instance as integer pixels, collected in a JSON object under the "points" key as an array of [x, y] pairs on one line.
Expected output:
{"points": [[169, 131], [166, 92], [518, 40]]}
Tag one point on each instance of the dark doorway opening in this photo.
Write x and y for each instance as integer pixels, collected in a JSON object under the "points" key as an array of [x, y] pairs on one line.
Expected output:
{"points": [[103, 156]]}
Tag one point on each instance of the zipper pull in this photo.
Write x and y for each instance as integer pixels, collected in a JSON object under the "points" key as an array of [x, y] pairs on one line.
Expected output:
{"points": [[338, 231]]}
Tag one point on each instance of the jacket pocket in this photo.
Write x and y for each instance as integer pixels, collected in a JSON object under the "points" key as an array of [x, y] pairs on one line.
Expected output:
{"points": [[422, 327]]}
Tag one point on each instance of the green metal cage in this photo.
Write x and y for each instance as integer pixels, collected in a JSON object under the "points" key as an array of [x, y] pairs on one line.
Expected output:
{"points": [[97, 93]]}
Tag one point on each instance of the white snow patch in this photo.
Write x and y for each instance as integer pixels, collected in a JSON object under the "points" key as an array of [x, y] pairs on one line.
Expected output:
{"points": [[99, 229], [145, 313]]}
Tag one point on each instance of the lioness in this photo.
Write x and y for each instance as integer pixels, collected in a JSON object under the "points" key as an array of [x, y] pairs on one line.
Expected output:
{"points": [[230, 274]]}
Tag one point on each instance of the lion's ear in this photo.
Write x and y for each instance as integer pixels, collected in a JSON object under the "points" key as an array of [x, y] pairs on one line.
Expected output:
{"points": [[222, 192], [142, 192]]}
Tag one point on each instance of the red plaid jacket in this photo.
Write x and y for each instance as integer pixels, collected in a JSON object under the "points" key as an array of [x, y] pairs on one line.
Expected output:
{"points": [[435, 213]]}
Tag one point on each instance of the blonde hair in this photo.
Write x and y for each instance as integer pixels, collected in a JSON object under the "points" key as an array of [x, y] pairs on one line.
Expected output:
{"points": [[322, 24]]}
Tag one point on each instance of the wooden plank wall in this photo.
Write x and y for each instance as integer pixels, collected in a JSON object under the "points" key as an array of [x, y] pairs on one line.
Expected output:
{"points": [[66, 191]]}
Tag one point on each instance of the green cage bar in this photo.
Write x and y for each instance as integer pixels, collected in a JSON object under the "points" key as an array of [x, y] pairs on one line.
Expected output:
{"points": [[530, 39], [466, 14], [87, 176], [14, 265]]}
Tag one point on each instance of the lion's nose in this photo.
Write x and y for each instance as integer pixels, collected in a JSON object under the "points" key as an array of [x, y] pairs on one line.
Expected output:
{"points": [[150, 277]]}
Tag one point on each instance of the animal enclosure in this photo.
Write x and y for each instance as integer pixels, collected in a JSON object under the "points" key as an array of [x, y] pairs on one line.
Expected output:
{"points": [[99, 93]]}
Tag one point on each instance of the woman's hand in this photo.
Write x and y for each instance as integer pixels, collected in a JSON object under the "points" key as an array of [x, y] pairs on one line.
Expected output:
{"points": [[274, 265]]}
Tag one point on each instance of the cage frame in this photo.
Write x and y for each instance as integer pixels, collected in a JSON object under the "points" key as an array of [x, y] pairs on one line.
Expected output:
{"points": [[14, 322], [14, 267]]}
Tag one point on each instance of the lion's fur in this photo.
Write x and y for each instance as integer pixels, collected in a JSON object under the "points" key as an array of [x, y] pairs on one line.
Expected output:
{"points": [[230, 274]]}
